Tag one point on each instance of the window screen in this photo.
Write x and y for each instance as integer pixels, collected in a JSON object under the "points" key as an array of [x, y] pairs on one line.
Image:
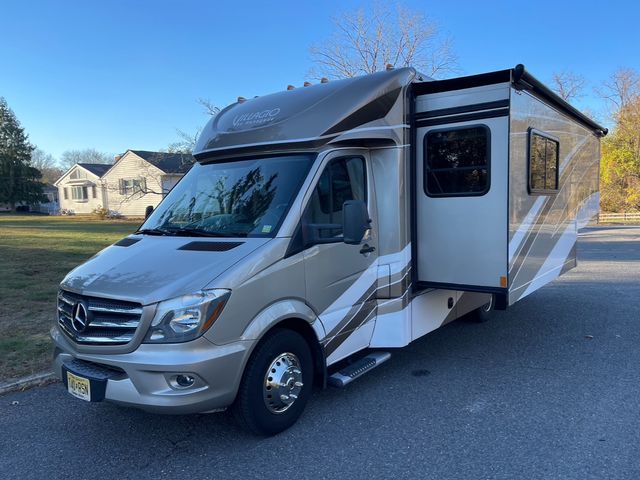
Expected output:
{"points": [[457, 161], [543, 162], [342, 179]]}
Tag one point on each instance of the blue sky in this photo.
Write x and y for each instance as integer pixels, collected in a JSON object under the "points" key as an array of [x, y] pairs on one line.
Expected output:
{"points": [[119, 74]]}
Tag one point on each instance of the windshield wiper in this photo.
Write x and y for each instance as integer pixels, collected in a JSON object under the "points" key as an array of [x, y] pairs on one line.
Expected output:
{"points": [[154, 231], [195, 232]]}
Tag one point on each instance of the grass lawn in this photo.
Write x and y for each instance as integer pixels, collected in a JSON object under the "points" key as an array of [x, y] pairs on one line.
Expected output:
{"points": [[35, 254]]}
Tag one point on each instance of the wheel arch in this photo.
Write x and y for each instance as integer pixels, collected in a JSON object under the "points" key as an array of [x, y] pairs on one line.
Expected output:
{"points": [[291, 314]]}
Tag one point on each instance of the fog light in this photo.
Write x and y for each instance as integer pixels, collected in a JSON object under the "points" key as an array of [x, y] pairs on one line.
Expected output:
{"points": [[183, 381]]}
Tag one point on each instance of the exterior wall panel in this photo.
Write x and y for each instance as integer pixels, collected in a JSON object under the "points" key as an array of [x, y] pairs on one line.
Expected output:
{"points": [[543, 227]]}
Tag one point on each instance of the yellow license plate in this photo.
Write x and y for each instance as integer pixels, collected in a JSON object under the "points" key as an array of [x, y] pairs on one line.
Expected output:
{"points": [[79, 387]]}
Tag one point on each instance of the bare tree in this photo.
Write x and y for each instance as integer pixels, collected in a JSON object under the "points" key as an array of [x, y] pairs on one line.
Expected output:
{"points": [[209, 107], [568, 85], [47, 165], [186, 142], [622, 88], [87, 155], [365, 41]]}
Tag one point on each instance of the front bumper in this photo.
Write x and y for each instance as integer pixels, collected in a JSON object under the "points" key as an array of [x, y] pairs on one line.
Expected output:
{"points": [[146, 373]]}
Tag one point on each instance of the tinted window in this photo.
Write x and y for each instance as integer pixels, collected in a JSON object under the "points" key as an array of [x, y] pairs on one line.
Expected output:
{"points": [[240, 198], [543, 163], [343, 179], [457, 161]]}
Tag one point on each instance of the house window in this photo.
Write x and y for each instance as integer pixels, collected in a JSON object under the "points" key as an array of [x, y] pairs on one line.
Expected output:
{"points": [[78, 174], [544, 152], [65, 193], [79, 194], [343, 179], [457, 161], [132, 185]]}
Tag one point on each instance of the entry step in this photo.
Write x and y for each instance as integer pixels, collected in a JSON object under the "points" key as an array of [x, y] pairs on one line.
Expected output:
{"points": [[358, 368]]}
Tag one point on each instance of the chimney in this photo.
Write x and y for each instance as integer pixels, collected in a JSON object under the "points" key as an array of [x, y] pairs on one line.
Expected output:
{"points": [[117, 157]]}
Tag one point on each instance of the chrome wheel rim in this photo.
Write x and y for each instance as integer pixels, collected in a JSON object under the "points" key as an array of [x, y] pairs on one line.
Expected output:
{"points": [[488, 306], [282, 383]]}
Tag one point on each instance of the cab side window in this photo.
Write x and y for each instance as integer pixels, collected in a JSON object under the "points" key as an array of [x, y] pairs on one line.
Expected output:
{"points": [[342, 179]]}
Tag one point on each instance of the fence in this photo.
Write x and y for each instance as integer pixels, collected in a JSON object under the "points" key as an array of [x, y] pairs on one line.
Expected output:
{"points": [[619, 218]]}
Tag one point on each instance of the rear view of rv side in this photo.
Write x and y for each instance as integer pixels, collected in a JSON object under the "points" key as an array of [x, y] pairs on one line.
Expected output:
{"points": [[320, 222]]}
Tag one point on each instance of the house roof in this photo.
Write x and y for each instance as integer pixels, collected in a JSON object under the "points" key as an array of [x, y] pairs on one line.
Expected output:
{"points": [[167, 162], [97, 169]]}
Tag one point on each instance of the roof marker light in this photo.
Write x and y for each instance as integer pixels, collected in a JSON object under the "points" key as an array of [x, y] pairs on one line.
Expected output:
{"points": [[290, 87], [389, 67], [307, 84], [241, 99], [324, 80]]}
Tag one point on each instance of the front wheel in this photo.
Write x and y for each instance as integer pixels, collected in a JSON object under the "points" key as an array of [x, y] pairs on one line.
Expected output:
{"points": [[276, 384]]}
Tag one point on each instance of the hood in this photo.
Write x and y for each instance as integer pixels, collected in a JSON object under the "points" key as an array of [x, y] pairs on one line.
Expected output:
{"points": [[146, 269]]}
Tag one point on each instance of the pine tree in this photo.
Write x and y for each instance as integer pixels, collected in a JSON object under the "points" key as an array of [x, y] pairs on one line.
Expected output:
{"points": [[19, 181]]}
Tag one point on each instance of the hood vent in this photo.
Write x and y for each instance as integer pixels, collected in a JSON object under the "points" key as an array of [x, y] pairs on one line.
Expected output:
{"points": [[126, 242], [210, 246]]}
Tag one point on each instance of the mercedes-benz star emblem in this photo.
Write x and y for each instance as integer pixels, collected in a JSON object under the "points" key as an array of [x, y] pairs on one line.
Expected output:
{"points": [[80, 317]]}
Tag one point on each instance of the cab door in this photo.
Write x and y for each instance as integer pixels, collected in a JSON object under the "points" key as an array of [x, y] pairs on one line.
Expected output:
{"points": [[341, 279]]}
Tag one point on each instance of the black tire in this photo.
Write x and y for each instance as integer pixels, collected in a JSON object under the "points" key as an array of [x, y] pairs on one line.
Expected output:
{"points": [[250, 407], [483, 314]]}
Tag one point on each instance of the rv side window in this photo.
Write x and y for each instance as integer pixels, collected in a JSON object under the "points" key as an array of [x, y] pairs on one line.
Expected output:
{"points": [[457, 161], [543, 162], [342, 179]]}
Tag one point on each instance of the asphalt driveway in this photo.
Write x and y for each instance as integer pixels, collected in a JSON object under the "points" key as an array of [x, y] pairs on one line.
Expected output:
{"points": [[548, 389]]}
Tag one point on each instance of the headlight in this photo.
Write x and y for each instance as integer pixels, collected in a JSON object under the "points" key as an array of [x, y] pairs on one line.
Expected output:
{"points": [[185, 318]]}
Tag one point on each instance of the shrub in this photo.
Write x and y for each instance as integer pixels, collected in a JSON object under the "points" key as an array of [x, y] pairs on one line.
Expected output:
{"points": [[100, 212]]}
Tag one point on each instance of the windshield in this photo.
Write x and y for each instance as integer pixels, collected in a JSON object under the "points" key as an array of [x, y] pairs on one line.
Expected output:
{"points": [[243, 198]]}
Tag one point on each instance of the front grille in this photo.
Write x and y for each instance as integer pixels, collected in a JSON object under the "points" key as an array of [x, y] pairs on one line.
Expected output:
{"points": [[108, 322]]}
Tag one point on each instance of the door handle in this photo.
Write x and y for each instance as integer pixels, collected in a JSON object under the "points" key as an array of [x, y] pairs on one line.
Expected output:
{"points": [[367, 249]]}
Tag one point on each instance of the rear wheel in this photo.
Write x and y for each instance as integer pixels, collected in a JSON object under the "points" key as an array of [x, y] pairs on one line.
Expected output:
{"points": [[483, 314], [276, 384]]}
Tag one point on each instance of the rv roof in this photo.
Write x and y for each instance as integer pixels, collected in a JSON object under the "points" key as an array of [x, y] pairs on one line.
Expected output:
{"points": [[370, 105], [367, 107], [521, 79]]}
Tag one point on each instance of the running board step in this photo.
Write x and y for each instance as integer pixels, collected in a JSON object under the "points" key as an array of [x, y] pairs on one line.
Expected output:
{"points": [[358, 368]]}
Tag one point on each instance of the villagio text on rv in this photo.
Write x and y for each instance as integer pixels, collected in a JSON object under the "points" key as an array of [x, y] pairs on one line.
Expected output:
{"points": [[324, 221]]}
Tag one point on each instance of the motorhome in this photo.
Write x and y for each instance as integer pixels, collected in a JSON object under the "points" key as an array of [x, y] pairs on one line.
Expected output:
{"points": [[322, 227]]}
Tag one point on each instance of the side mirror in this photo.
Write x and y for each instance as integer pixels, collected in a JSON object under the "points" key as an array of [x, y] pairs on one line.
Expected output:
{"points": [[355, 221], [148, 211]]}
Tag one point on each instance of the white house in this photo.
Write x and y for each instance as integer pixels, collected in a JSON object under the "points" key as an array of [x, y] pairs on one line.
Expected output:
{"points": [[80, 188], [138, 178]]}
